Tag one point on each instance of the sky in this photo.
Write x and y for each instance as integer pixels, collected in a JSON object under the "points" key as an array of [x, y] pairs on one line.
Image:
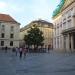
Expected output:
{"points": [[25, 11]]}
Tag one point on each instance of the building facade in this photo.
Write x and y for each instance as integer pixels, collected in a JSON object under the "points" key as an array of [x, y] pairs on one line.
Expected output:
{"points": [[64, 26], [9, 31], [44, 26]]}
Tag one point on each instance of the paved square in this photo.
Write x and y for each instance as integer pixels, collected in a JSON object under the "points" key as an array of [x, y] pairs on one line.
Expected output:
{"points": [[37, 64]]}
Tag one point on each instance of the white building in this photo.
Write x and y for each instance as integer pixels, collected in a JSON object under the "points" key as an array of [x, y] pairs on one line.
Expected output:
{"points": [[64, 23], [9, 31]]}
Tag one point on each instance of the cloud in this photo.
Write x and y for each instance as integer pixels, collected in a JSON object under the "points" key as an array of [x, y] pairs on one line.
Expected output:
{"points": [[38, 8], [25, 11], [3, 5]]}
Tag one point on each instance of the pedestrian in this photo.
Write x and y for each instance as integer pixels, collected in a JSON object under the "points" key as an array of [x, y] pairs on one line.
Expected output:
{"points": [[49, 46], [24, 50], [6, 49], [16, 50], [13, 49], [20, 52], [48, 49]]}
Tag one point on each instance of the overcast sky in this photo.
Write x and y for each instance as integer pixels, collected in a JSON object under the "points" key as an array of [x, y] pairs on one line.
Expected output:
{"points": [[25, 11]]}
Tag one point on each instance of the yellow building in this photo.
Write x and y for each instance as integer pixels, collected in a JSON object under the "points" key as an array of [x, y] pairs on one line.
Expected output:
{"points": [[64, 24], [44, 26]]}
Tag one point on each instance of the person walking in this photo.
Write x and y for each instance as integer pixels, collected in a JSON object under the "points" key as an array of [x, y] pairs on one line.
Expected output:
{"points": [[20, 52], [16, 50], [13, 49], [6, 49], [24, 50]]}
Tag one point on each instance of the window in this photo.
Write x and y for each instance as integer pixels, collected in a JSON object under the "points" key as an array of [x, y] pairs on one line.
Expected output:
{"points": [[3, 27], [11, 35], [64, 19], [11, 43], [69, 16], [0, 23], [2, 43], [2, 35], [12, 28], [61, 24], [69, 23], [64, 25]]}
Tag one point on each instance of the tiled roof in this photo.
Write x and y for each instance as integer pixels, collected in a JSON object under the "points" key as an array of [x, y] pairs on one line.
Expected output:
{"points": [[7, 18]]}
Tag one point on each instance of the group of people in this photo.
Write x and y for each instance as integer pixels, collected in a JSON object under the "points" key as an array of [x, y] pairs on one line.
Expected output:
{"points": [[21, 51]]}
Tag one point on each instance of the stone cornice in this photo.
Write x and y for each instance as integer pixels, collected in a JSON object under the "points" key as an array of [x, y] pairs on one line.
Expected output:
{"points": [[56, 16], [64, 7], [13, 22], [49, 25], [27, 27]]}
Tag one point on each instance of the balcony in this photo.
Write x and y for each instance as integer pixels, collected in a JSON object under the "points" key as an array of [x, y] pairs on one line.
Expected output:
{"points": [[69, 30]]}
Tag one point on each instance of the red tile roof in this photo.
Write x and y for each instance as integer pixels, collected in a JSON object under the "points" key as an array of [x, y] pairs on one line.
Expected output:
{"points": [[7, 18]]}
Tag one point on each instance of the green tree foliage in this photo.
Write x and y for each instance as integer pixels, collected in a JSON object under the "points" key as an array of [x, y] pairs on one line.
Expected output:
{"points": [[34, 37]]}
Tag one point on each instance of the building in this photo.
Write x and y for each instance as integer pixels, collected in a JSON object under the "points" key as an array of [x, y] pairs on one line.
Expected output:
{"points": [[64, 26], [9, 31], [44, 26]]}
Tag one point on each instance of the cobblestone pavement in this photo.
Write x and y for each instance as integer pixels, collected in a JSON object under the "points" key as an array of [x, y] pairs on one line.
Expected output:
{"points": [[37, 64]]}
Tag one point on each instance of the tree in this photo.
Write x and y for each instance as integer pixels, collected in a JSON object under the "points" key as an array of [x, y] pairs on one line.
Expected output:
{"points": [[34, 37]]}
